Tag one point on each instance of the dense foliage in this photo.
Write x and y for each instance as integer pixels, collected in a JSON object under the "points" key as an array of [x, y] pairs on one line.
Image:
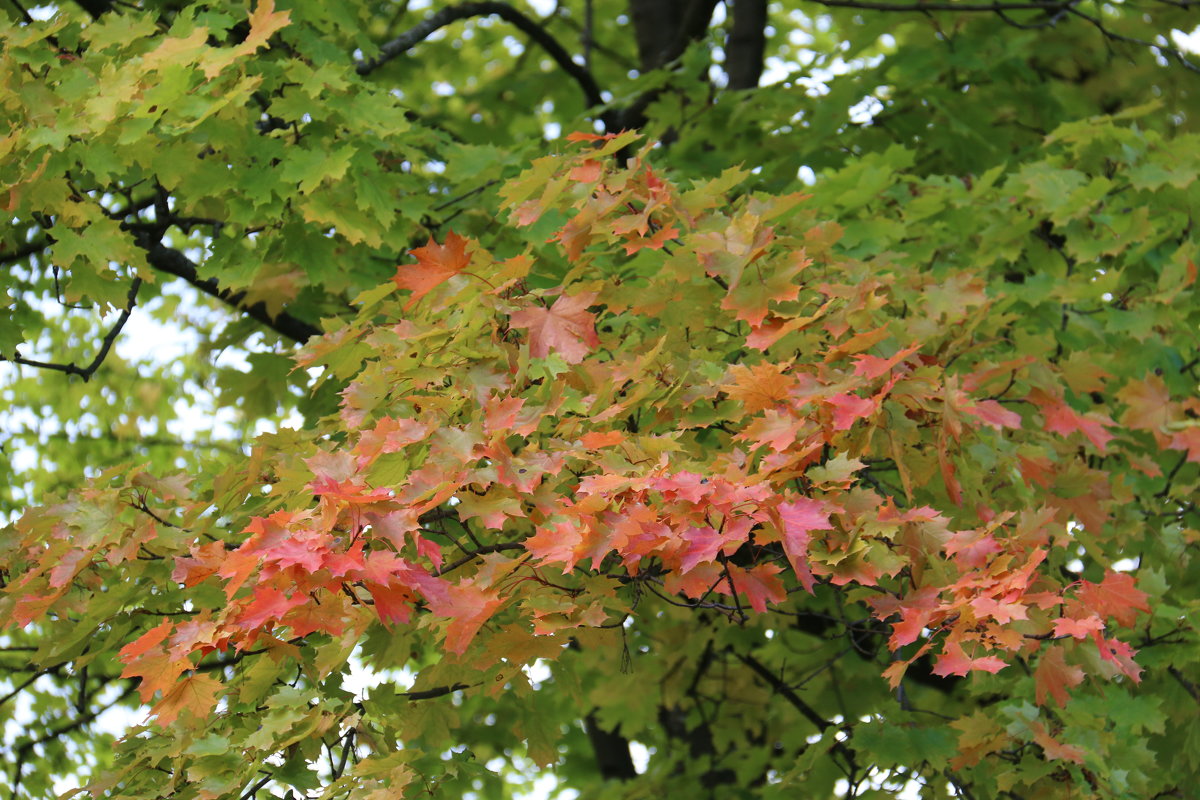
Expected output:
{"points": [[591, 429]]}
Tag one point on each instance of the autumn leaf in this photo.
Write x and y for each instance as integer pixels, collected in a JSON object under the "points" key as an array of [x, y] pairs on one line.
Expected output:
{"points": [[566, 328], [799, 519], [467, 607], [1148, 404], [1054, 676], [196, 694], [953, 660], [1116, 596], [436, 264], [759, 387], [264, 22]]}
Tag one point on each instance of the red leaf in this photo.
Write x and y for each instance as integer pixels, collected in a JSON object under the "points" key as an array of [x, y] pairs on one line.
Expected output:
{"points": [[1188, 439], [849, 407], [467, 607], [992, 413], [436, 264], [1116, 596], [206, 560], [955, 661], [1079, 628], [157, 671], [268, 603], [1064, 420], [566, 327], [800, 517], [872, 367], [759, 584]]}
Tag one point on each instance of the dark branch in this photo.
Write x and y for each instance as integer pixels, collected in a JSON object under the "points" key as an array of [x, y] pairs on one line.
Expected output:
{"points": [[1187, 685], [24, 251], [105, 346], [440, 691], [487, 548], [746, 44], [786, 691], [173, 262], [611, 749], [422, 30]]}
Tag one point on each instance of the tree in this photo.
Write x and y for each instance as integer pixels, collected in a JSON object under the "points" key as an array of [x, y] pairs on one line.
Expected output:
{"points": [[604, 433]]}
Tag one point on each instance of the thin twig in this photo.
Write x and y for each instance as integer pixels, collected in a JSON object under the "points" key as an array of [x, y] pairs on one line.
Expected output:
{"points": [[105, 346], [422, 30]]}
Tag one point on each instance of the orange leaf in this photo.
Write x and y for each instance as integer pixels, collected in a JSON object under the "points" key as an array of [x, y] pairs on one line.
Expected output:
{"points": [[195, 694], [264, 22], [436, 264]]}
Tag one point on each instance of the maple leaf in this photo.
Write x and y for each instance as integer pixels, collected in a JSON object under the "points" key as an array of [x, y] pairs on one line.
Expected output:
{"points": [[566, 327], [1120, 655], [953, 660], [871, 367], [1064, 420], [1148, 402], [149, 640], [595, 440], [992, 413], [759, 387], [760, 584], [436, 264], [268, 603], [1116, 596], [1078, 628], [467, 606], [1053, 748], [196, 694], [1054, 676], [1188, 439], [916, 612], [204, 561], [800, 518], [157, 671], [849, 407]]}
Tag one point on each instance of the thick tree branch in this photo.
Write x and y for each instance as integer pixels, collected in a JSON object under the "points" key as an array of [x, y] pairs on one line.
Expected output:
{"points": [[173, 262], [105, 346], [611, 749], [746, 44], [422, 30]]}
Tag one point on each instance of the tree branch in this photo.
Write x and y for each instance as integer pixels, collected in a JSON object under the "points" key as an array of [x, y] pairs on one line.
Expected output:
{"points": [[746, 44], [24, 251], [173, 262], [105, 346], [783, 689], [487, 548], [422, 30], [429, 694]]}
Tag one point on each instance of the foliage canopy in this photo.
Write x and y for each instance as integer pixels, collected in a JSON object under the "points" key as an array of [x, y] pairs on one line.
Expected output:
{"points": [[587, 421]]}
